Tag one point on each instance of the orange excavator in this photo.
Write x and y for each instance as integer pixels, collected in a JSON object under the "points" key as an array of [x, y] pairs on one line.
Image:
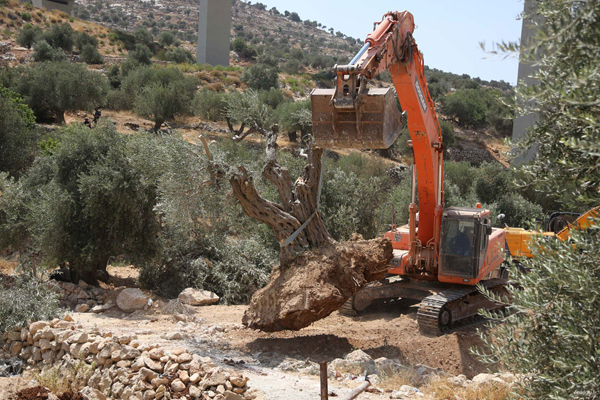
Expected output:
{"points": [[443, 253]]}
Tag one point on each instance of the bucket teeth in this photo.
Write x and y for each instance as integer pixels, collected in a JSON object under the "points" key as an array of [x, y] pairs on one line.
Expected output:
{"points": [[373, 122]]}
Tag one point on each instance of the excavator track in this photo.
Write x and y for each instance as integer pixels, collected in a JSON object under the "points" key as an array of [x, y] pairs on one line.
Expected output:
{"points": [[455, 308]]}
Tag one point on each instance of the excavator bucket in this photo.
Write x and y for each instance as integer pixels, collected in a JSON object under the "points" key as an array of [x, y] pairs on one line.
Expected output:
{"points": [[371, 121]]}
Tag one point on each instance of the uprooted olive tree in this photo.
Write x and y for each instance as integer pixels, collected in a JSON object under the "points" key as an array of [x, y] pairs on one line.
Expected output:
{"points": [[316, 274]]}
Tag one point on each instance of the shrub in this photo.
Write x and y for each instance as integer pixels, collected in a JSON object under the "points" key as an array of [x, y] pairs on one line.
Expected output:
{"points": [[42, 51], [83, 39], [468, 105], [25, 299], [261, 77], [56, 87], [243, 49], [210, 105], [98, 178], [160, 102], [295, 116], [90, 55], [141, 55], [273, 97], [494, 182], [166, 39], [17, 133], [551, 336], [246, 108], [60, 37], [180, 56], [520, 212], [28, 35], [447, 134]]}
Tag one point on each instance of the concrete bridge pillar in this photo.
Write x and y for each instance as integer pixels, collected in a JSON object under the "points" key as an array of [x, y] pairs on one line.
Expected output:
{"points": [[214, 32]]}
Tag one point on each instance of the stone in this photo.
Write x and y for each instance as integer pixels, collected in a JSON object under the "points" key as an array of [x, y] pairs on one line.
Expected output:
{"points": [[239, 381], [195, 392], [177, 386], [147, 374], [89, 393], [196, 297], [131, 299], [174, 336], [13, 335], [153, 364], [183, 358], [460, 380], [149, 395], [45, 344], [102, 308], [195, 378], [79, 337], [385, 366], [68, 318], [232, 396], [156, 353], [184, 376], [15, 348], [82, 308], [157, 382], [36, 326], [482, 379]]}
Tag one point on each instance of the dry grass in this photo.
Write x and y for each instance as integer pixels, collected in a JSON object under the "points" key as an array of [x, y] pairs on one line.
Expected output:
{"points": [[440, 389], [405, 376], [60, 380]]}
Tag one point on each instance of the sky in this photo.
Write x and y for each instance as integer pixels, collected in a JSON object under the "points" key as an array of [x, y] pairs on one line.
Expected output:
{"points": [[448, 32]]}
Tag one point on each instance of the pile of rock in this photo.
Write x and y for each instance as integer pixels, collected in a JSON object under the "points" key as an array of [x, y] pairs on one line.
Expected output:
{"points": [[81, 297], [121, 366]]}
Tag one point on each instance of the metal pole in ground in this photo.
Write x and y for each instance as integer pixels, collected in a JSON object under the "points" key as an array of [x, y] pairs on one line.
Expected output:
{"points": [[324, 389]]}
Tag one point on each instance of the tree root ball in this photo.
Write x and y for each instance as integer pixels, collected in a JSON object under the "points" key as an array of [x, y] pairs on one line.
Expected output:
{"points": [[317, 283]]}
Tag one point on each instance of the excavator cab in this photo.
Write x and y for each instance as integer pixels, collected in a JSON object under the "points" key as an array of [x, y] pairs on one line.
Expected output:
{"points": [[352, 116], [465, 239]]}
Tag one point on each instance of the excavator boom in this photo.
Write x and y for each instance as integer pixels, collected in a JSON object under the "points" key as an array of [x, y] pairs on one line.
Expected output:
{"points": [[353, 116]]}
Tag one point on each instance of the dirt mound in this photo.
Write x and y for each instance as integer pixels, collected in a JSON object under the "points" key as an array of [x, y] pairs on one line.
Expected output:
{"points": [[33, 393], [316, 284]]}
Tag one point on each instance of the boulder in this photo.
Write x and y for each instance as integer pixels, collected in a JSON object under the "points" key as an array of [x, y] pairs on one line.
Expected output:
{"points": [[130, 300], [197, 297]]}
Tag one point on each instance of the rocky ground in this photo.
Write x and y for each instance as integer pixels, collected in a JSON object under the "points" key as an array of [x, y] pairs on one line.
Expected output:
{"points": [[384, 342]]}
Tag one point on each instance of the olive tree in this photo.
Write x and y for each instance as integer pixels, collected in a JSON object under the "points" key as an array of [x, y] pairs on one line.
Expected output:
{"points": [[17, 133], [55, 87]]}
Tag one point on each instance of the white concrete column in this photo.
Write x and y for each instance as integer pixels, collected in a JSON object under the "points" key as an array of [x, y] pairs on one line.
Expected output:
{"points": [[214, 32], [526, 69]]}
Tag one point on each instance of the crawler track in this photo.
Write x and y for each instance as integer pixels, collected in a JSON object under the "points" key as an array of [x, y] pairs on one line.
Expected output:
{"points": [[455, 308]]}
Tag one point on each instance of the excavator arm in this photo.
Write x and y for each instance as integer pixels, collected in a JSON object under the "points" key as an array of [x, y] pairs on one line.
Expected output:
{"points": [[354, 116]]}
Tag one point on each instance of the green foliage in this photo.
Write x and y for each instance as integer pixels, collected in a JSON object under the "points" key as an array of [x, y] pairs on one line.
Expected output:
{"points": [[565, 98], [166, 39], [82, 39], [210, 105], [140, 78], [468, 105], [17, 134], [142, 36], [246, 108], [142, 55], [447, 134], [243, 49], [60, 37], [42, 51], [552, 336], [519, 211], [180, 56], [90, 55], [295, 116], [25, 299], [353, 190], [160, 102], [261, 77], [90, 199], [55, 87], [272, 97], [28, 35]]}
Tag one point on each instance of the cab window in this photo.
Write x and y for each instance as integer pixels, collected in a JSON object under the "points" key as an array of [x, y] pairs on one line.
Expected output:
{"points": [[458, 237]]}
